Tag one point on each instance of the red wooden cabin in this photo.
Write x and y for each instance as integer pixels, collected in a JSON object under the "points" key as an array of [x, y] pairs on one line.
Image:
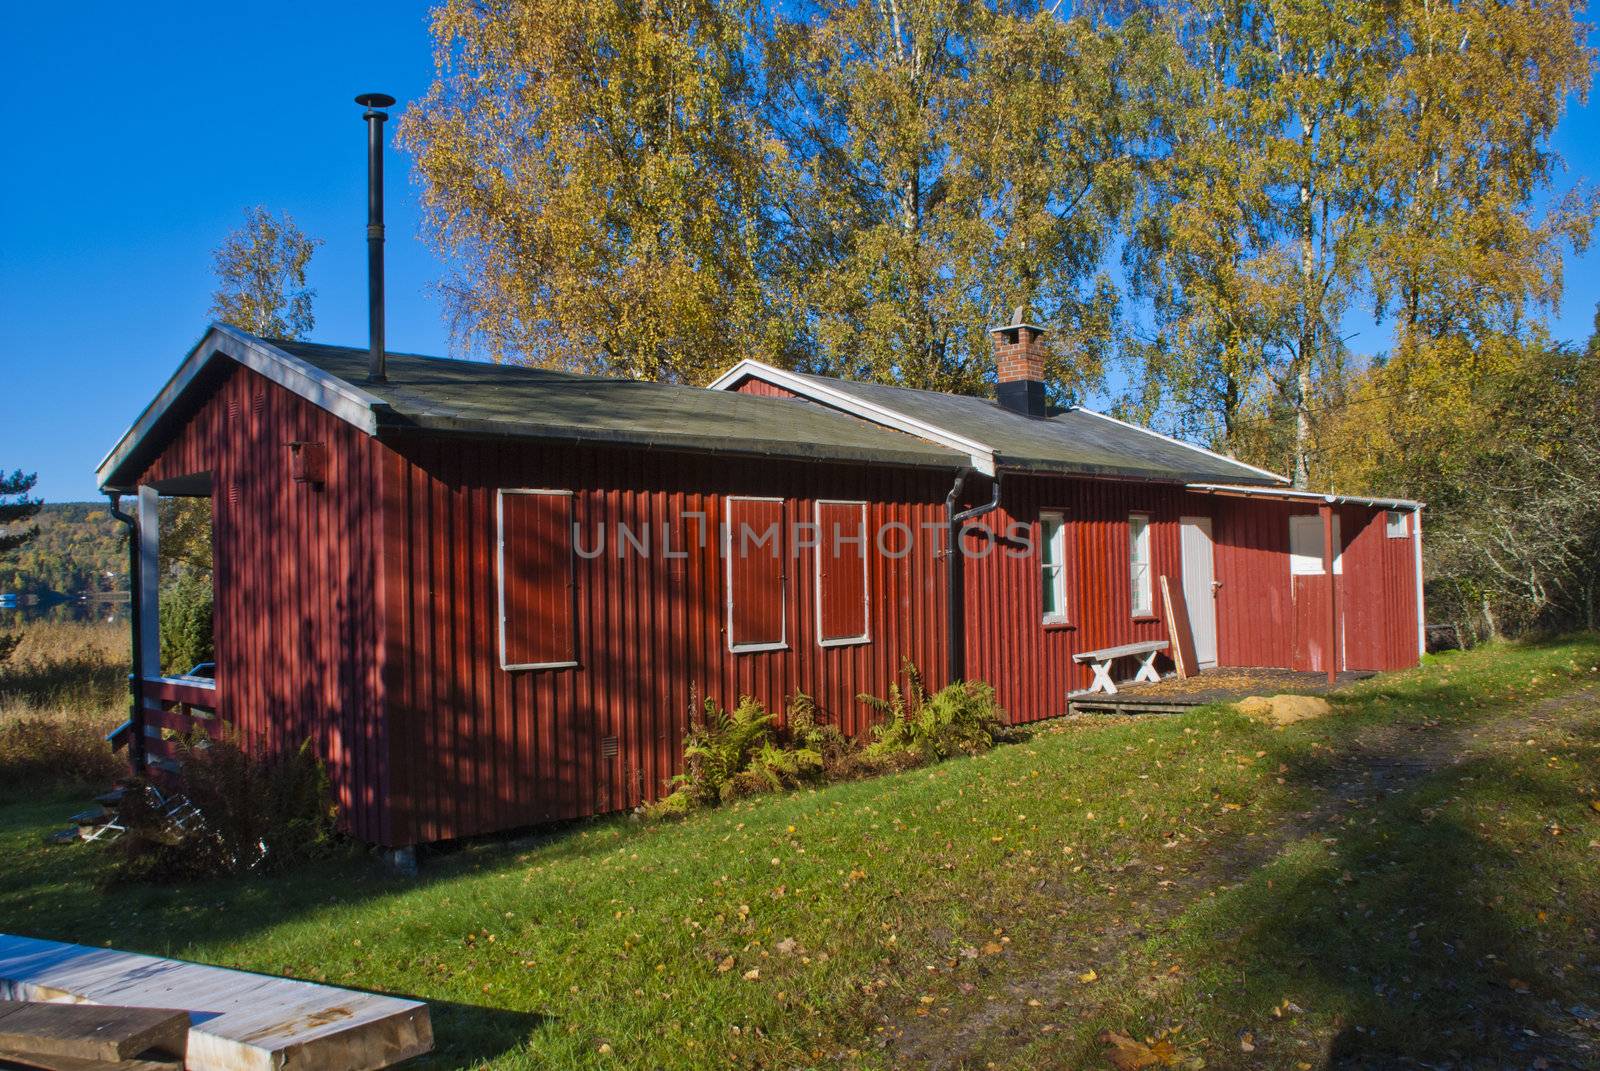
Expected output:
{"points": [[491, 595]]}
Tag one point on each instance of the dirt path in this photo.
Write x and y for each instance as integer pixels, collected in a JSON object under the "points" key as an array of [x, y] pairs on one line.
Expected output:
{"points": [[1371, 765]]}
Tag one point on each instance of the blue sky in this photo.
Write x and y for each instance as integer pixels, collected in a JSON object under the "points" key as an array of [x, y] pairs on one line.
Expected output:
{"points": [[136, 136]]}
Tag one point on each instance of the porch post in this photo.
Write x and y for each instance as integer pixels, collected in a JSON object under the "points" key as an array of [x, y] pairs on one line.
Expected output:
{"points": [[1333, 589], [149, 584]]}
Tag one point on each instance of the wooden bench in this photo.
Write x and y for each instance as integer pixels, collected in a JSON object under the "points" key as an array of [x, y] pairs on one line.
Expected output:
{"points": [[1100, 661]]}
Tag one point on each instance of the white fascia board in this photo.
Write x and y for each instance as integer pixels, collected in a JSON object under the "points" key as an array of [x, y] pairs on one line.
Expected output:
{"points": [[981, 454], [1187, 446], [344, 400], [1309, 496]]}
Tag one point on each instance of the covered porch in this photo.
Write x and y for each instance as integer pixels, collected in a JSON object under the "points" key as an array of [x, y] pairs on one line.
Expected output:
{"points": [[171, 701]]}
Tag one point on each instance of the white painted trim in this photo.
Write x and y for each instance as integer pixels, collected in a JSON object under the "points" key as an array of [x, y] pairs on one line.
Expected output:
{"points": [[982, 455], [1179, 442], [345, 401], [1062, 617], [1309, 496], [500, 572], [781, 644], [149, 609], [1422, 618], [1149, 609], [866, 577]]}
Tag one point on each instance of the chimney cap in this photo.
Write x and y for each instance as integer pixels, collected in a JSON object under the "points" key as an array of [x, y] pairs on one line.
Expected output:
{"points": [[375, 100], [1018, 322], [1021, 325]]}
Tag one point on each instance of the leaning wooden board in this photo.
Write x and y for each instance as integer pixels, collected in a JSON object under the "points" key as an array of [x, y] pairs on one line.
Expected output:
{"points": [[1179, 629], [238, 1021]]}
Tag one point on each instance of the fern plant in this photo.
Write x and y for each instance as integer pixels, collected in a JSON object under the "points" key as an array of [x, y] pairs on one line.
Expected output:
{"points": [[960, 718], [720, 744]]}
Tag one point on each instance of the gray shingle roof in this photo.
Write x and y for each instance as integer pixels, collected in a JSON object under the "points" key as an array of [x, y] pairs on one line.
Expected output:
{"points": [[1072, 441], [474, 397]]}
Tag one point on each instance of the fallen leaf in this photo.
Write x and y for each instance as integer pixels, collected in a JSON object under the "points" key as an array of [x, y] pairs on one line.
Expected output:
{"points": [[1247, 1042], [752, 974], [726, 965], [1088, 976]]}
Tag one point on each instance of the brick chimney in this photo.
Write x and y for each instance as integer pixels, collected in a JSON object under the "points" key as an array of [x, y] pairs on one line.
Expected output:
{"points": [[1019, 366]]}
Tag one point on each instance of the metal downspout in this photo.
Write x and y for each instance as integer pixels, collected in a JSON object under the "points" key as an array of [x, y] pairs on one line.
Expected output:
{"points": [[956, 636], [136, 629]]}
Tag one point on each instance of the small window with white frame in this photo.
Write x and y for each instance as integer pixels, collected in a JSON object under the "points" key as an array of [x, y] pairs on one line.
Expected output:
{"points": [[1053, 566], [1397, 523], [1140, 587]]}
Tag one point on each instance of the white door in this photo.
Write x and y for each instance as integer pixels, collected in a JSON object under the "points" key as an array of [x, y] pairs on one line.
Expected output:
{"points": [[1199, 591]]}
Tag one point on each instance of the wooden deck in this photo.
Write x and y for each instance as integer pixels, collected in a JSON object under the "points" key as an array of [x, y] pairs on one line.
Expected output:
{"points": [[238, 1021], [1174, 695]]}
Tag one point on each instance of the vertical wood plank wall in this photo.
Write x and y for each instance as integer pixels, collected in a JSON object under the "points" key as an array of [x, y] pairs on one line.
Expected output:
{"points": [[295, 617], [362, 614], [479, 748]]}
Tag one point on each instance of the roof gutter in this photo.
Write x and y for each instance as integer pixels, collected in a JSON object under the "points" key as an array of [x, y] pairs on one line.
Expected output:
{"points": [[1288, 494]]}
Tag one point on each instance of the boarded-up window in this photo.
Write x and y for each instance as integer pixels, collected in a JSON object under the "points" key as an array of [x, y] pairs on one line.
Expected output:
{"points": [[537, 580], [841, 573], [753, 546]]}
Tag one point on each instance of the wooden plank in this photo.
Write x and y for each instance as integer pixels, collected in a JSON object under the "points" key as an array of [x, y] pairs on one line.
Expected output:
{"points": [[38, 1062], [1179, 629], [1108, 653], [90, 1032], [239, 1021]]}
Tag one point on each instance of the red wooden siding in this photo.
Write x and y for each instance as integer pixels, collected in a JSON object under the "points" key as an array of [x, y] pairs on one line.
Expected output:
{"points": [[295, 581], [841, 571], [1008, 644], [761, 388], [362, 613], [478, 748], [536, 579], [1267, 618], [756, 553]]}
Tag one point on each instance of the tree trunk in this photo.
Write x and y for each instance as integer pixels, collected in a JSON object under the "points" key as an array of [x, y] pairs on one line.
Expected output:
{"points": [[1490, 625]]}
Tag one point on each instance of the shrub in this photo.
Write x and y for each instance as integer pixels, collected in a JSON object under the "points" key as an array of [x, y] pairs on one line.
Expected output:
{"points": [[960, 718], [249, 814], [186, 605], [47, 752]]}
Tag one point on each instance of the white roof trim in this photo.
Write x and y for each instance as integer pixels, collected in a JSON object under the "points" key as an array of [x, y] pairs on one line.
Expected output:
{"points": [[1185, 445], [1309, 496], [348, 403], [982, 455]]}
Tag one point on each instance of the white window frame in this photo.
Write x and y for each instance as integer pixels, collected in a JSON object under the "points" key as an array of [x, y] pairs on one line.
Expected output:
{"points": [[782, 644], [1307, 564], [500, 574], [1148, 607], [1397, 524], [866, 579], [1053, 556]]}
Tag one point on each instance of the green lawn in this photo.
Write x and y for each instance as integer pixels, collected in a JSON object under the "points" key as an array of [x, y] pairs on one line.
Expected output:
{"points": [[1244, 885]]}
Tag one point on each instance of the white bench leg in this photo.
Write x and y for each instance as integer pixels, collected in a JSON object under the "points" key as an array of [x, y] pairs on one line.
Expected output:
{"points": [[1102, 678], [1147, 668]]}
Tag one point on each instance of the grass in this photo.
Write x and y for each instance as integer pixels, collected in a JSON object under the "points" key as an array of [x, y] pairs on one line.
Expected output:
{"points": [[1197, 872], [61, 691]]}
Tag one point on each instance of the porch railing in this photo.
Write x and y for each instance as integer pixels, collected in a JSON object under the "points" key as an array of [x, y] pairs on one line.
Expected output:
{"points": [[172, 707]]}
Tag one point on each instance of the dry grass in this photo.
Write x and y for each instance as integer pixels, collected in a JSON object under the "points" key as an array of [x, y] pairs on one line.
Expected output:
{"points": [[61, 691]]}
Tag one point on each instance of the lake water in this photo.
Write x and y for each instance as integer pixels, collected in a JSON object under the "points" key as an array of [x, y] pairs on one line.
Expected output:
{"points": [[101, 608]]}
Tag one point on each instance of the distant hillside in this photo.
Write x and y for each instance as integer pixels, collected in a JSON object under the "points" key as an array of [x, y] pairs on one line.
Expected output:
{"points": [[77, 545]]}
